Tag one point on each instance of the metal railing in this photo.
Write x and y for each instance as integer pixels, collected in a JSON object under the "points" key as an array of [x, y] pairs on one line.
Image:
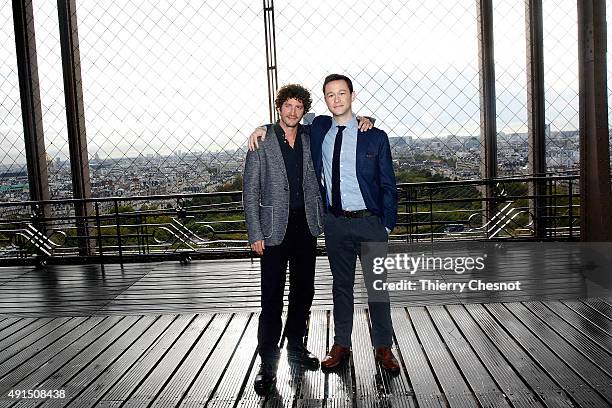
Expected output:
{"points": [[454, 210], [211, 225]]}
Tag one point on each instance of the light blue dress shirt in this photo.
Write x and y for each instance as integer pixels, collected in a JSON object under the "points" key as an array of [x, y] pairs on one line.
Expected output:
{"points": [[349, 185]]}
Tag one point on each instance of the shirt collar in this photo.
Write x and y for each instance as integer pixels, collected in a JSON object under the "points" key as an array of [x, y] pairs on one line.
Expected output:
{"points": [[281, 133], [350, 125]]}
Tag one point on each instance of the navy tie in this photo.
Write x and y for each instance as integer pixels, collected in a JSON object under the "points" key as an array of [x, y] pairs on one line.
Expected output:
{"points": [[336, 207]]}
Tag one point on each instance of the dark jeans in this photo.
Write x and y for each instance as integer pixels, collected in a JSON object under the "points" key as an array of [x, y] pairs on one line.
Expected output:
{"points": [[298, 249], [345, 240]]}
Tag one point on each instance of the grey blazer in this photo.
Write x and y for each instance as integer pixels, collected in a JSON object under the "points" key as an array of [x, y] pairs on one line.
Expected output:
{"points": [[265, 192]]}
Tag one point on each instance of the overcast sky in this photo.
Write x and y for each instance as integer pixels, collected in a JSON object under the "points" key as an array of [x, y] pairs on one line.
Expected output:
{"points": [[184, 75]]}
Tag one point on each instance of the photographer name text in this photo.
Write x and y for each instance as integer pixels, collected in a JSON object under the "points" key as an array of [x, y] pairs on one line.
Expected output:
{"points": [[440, 286]]}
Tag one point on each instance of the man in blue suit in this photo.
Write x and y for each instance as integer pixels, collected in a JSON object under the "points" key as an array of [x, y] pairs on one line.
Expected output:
{"points": [[358, 184]]}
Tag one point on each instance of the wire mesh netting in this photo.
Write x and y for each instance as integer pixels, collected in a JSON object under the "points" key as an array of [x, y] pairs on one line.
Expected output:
{"points": [[561, 85], [420, 82], [511, 87], [170, 90], [14, 177]]}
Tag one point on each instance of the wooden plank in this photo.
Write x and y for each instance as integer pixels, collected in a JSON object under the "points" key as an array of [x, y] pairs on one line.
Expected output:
{"points": [[589, 372], [483, 386], [367, 383], [26, 331], [138, 372], [73, 385], [309, 403], [377, 386], [90, 392], [601, 306], [579, 391], [494, 362], [201, 335], [421, 377], [583, 325], [8, 274], [288, 377], [313, 384], [211, 359], [19, 325], [339, 381], [216, 307], [31, 352], [37, 368], [234, 379], [396, 388], [590, 314], [63, 371], [537, 379], [7, 322], [216, 403], [248, 397], [455, 389], [575, 337]]}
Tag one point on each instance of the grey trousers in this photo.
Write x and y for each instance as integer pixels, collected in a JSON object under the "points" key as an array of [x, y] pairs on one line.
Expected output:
{"points": [[345, 240]]}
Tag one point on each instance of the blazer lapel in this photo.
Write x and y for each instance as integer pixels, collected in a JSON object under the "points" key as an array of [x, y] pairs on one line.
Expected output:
{"points": [[275, 152], [362, 146], [317, 135], [306, 156]]}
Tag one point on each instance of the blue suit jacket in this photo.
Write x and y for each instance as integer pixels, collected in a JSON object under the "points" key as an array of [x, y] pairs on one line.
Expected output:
{"points": [[375, 173]]}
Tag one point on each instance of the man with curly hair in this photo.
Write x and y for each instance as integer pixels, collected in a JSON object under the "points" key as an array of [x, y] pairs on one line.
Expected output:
{"points": [[283, 211]]}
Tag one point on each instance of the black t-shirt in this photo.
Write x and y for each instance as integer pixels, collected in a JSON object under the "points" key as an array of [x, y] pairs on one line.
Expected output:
{"points": [[294, 161]]}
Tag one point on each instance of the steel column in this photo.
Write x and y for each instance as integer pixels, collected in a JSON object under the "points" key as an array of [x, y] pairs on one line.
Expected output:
{"points": [[75, 116], [488, 116], [29, 90], [268, 7], [595, 195], [536, 122]]}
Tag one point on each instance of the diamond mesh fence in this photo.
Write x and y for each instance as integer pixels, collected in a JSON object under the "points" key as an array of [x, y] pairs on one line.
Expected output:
{"points": [[419, 81], [510, 87], [13, 171], [171, 89], [561, 85]]}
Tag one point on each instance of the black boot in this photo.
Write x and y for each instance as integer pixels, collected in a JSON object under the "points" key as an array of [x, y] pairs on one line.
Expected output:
{"points": [[297, 352], [265, 380]]}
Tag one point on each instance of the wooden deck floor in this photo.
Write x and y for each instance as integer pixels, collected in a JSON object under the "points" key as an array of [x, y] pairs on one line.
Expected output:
{"points": [[528, 354], [233, 285], [166, 335]]}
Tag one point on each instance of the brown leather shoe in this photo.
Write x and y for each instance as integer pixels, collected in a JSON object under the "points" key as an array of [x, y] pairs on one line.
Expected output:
{"points": [[336, 355], [386, 358]]}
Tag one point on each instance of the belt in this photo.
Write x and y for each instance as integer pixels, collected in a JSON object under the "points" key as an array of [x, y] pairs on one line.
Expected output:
{"points": [[353, 214]]}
